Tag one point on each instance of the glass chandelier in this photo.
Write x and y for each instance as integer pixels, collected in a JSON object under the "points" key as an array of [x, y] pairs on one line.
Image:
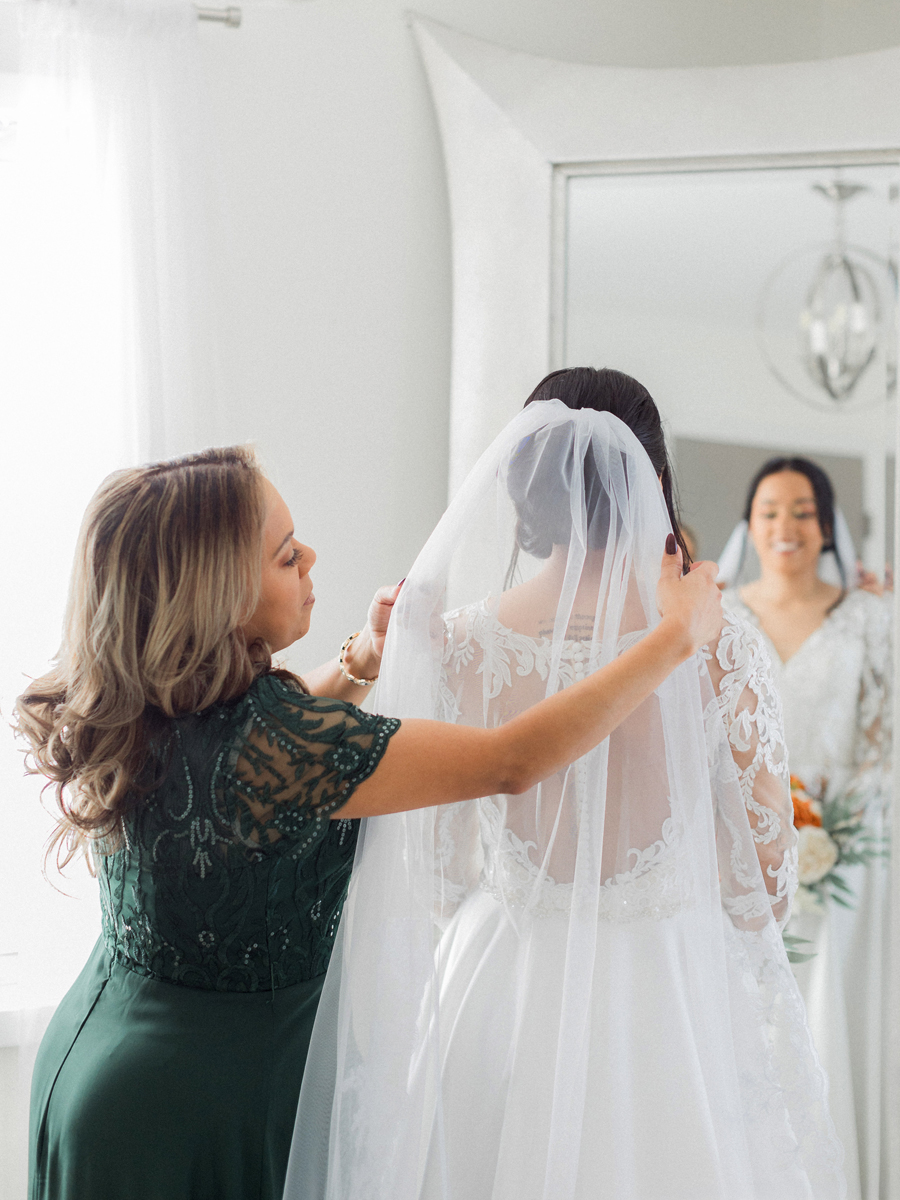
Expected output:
{"points": [[826, 314], [840, 322]]}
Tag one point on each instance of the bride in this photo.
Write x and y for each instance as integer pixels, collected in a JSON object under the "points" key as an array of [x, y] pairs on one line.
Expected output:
{"points": [[830, 647], [579, 992]]}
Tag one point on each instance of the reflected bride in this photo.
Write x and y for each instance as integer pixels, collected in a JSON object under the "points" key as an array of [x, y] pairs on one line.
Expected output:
{"points": [[831, 653]]}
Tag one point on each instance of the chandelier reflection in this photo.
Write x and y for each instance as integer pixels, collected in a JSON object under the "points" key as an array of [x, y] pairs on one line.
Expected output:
{"points": [[845, 295], [842, 316]]}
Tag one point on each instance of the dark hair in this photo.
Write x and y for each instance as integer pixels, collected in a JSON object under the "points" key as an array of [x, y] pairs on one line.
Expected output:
{"points": [[543, 513], [823, 493], [606, 390]]}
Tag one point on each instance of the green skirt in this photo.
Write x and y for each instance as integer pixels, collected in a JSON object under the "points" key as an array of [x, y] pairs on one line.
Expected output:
{"points": [[150, 1091]]}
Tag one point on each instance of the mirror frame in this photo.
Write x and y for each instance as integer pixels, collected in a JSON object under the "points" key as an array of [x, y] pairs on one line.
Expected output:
{"points": [[515, 127]]}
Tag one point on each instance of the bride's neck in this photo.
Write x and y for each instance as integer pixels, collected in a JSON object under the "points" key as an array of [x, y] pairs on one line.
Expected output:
{"points": [[783, 589], [554, 571], [540, 595]]}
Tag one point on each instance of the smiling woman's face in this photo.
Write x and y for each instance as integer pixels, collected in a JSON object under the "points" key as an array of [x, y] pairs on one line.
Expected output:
{"points": [[784, 524], [286, 596]]}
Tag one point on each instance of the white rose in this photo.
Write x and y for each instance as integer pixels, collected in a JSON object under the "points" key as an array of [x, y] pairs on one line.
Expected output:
{"points": [[817, 853]]}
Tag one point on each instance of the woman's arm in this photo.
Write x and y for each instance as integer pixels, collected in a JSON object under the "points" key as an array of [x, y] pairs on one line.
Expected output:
{"points": [[432, 762], [362, 657]]}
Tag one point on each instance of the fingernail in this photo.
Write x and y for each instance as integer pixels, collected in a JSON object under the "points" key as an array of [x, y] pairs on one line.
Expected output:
{"points": [[671, 544], [402, 581]]}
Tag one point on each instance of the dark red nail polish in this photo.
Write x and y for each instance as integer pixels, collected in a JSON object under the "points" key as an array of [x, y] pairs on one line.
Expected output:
{"points": [[402, 581], [671, 544]]}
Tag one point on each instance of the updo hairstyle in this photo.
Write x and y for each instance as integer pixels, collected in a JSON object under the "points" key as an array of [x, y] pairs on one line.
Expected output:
{"points": [[543, 519]]}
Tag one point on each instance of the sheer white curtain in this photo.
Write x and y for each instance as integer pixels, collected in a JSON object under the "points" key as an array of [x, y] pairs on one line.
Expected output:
{"points": [[105, 361]]}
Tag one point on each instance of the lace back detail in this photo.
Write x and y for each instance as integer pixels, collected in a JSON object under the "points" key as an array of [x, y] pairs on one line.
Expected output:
{"points": [[497, 670]]}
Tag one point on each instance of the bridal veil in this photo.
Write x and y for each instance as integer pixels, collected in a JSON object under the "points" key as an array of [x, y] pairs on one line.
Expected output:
{"points": [[581, 991]]}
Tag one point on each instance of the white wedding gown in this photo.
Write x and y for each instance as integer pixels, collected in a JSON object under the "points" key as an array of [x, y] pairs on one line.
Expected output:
{"points": [[496, 1110], [577, 992], [836, 695]]}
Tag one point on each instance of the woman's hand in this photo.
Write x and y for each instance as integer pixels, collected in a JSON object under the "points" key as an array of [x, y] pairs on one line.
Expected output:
{"points": [[380, 614], [690, 603], [868, 581], [362, 658]]}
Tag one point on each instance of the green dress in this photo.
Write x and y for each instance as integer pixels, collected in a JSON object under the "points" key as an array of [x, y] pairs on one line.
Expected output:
{"points": [[172, 1068]]}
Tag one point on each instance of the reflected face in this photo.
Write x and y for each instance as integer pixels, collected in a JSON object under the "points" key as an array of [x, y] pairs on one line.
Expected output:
{"points": [[784, 524], [286, 591]]}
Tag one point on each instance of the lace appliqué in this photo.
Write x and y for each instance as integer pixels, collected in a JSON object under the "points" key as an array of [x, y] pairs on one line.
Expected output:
{"points": [[749, 707], [656, 884], [654, 887], [837, 698], [503, 651], [872, 745]]}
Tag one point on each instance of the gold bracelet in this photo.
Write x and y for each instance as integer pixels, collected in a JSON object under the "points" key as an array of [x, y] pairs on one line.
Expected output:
{"points": [[346, 674]]}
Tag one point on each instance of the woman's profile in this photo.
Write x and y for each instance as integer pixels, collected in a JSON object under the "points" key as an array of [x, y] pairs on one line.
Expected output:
{"points": [[579, 991], [216, 797]]}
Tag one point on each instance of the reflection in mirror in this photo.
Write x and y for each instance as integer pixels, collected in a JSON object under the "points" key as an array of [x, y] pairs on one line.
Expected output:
{"points": [[758, 306], [683, 279], [713, 478]]}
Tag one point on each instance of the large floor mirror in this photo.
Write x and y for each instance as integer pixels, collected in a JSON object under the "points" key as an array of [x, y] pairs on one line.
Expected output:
{"points": [[729, 237], [757, 303]]}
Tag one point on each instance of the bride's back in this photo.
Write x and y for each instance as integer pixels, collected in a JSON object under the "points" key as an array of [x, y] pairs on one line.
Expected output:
{"points": [[580, 991]]}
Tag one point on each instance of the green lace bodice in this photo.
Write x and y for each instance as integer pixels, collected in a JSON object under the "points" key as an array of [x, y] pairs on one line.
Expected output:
{"points": [[232, 874]]}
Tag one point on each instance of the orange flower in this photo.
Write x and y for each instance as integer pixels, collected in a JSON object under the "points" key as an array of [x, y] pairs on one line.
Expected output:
{"points": [[804, 813], [806, 809]]}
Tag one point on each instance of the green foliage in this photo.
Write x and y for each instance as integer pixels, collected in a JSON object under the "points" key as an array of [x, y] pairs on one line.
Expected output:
{"points": [[792, 945], [843, 820]]}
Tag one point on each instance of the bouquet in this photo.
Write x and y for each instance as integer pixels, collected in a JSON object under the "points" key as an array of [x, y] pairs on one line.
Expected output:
{"points": [[832, 836]]}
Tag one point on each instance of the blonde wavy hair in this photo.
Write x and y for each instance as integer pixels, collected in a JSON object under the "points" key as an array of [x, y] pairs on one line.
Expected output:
{"points": [[166, 573]]}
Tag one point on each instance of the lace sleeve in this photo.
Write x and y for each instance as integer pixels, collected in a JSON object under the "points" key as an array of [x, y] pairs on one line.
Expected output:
{"points": [[751, 711], [458, 856], [296, 759], [872, 750]]}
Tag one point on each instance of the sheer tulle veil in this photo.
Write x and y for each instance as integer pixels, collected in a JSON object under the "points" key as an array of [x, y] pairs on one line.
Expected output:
{"points": [[580, 991]]}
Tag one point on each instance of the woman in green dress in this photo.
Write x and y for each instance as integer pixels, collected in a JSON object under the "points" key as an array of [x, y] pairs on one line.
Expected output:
{"points": [[217, 798]]}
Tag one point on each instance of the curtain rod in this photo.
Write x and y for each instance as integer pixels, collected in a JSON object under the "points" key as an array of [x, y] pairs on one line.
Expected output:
{"points": [[225, 16]]}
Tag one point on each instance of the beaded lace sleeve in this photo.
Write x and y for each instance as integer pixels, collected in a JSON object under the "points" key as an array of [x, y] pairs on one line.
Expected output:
{"points": [[298, 759], [750, 708], [872, 750]]}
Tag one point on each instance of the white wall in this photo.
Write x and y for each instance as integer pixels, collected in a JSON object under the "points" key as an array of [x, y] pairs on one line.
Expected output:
{"points": [[334, 279], [333, 245]]}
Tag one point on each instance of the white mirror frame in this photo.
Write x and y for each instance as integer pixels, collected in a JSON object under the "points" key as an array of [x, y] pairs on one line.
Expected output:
{"points": [[515, 127]]}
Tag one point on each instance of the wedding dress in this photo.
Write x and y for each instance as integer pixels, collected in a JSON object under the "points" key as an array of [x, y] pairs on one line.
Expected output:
{"points": [[581, 992], [837, 708]]}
